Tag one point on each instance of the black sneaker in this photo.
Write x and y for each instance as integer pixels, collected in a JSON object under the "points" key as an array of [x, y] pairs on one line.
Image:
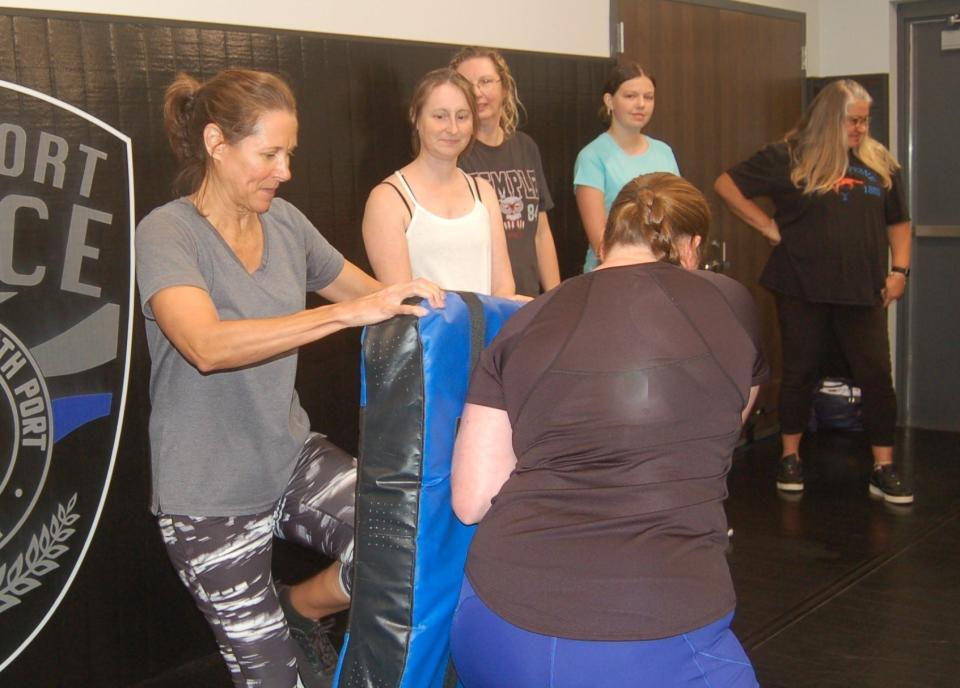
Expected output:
{"points": [[884, 482], [317, 654], [790, 474]]}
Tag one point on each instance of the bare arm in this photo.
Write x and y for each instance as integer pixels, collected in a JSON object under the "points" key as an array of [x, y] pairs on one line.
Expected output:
{"points": [[547, 264], [385, 220], [745, 209], [899, 236], [592, 214], [751, 400], [189, 319], [502, 276], [483, 459], [351, 283]]}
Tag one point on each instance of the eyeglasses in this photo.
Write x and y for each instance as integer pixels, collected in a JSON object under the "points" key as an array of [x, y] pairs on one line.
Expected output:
{"points": [[858, 122], [485, 83]]}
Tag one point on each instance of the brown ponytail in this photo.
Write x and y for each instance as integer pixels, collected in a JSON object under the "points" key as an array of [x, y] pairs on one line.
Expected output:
{"points": [[234, 100], [657, 210]]}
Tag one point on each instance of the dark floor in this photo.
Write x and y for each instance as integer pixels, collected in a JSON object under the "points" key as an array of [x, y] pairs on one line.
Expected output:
{"points": [[839, 589], [836, 589]]}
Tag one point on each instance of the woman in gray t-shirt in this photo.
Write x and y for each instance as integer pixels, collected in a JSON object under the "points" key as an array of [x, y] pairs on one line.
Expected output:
{"points": [[223, 273]]}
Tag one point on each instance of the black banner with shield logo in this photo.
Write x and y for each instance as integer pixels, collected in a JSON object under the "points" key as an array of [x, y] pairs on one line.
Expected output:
{"points": [[66, 293]]}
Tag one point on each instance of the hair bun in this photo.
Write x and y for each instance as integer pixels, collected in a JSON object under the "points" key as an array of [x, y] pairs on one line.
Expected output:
{"points": [[652, 207]]}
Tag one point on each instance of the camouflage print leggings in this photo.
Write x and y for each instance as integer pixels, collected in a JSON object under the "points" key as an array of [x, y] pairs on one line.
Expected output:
{"points": [[225, 562]]}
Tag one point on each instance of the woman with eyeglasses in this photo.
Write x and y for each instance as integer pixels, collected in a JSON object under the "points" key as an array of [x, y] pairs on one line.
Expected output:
{"points": [[430, 219], [839, 213], [510, 161], [620, 153]]}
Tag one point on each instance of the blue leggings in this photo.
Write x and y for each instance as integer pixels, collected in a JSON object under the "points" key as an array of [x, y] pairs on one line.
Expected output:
{"points": [[490, 652]]}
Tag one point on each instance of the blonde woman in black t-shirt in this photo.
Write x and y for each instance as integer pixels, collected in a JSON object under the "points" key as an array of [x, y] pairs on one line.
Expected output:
{"points": [[510, 161], [839, 217], [593, 451]]}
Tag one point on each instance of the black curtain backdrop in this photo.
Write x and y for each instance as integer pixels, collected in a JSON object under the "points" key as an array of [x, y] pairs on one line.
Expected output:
{"points": [[126, 617]]}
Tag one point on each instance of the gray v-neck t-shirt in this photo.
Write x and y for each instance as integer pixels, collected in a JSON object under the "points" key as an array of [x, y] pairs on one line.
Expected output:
{"points": [[225, 443]]}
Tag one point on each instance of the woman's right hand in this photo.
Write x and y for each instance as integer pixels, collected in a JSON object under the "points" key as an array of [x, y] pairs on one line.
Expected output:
{"points": [[388, 302], [746, 209], [520, 298]]}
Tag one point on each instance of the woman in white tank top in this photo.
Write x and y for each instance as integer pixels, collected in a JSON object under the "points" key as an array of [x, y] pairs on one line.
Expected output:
{"points": [[429, 219]]}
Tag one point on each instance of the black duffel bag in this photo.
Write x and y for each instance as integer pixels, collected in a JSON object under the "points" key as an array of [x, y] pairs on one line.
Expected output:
{"points": [[836, 405]]}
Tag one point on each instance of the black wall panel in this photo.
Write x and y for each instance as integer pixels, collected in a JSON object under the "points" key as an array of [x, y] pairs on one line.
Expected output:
{"points": [[126, 617]]}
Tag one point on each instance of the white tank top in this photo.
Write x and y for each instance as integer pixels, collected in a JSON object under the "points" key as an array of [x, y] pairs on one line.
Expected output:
{"points": [[455, 253]]}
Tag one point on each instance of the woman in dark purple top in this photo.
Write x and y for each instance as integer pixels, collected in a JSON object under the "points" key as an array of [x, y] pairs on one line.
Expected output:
{"points": [[593, 451]]}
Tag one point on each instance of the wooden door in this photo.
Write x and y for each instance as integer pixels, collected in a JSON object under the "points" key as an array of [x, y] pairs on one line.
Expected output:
{"points": [[729, 79]]}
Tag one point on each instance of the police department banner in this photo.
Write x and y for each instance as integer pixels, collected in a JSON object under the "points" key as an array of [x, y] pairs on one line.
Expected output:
{"points": [[66, 293]]}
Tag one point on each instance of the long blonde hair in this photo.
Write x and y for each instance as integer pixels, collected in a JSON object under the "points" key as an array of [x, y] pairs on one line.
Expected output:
{"points": [[511, 106], [817, 145]]}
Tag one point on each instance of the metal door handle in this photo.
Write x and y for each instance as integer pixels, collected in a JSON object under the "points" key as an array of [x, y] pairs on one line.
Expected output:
{"points": [[938, 231], [717, 264]]}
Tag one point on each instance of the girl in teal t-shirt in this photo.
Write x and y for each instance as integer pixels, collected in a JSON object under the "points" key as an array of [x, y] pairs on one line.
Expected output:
{"points": [[620, 154]]}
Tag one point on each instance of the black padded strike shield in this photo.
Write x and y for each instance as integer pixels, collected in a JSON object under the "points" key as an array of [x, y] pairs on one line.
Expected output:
{"points": [[410, 548]]}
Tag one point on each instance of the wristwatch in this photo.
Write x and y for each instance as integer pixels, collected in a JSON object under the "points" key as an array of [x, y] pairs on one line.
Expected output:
{"points": [[903, 271]]}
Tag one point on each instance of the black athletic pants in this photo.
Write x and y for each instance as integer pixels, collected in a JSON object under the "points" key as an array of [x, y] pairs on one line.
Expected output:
{"points": [[861, 332]]}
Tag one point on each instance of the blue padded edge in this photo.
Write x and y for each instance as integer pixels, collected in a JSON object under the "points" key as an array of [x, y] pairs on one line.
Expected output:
{"points": [[442, 540]]}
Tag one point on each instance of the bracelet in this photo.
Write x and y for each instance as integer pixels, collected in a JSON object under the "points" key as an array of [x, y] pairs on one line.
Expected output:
{"points": [[900, 271]]}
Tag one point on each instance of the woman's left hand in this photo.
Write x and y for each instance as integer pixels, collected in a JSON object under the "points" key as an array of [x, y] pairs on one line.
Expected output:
{"points": [[895, 286]]}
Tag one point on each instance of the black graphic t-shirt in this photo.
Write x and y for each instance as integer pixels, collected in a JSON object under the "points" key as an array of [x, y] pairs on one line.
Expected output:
{"points": [[835, 245], [514, 170]]}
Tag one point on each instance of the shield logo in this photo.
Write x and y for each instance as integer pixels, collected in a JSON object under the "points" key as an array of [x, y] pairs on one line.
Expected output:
{"points": [[66, 298]]}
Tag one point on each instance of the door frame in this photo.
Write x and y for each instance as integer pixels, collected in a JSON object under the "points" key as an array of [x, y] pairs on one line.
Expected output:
{"points": [[909, 11]]}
